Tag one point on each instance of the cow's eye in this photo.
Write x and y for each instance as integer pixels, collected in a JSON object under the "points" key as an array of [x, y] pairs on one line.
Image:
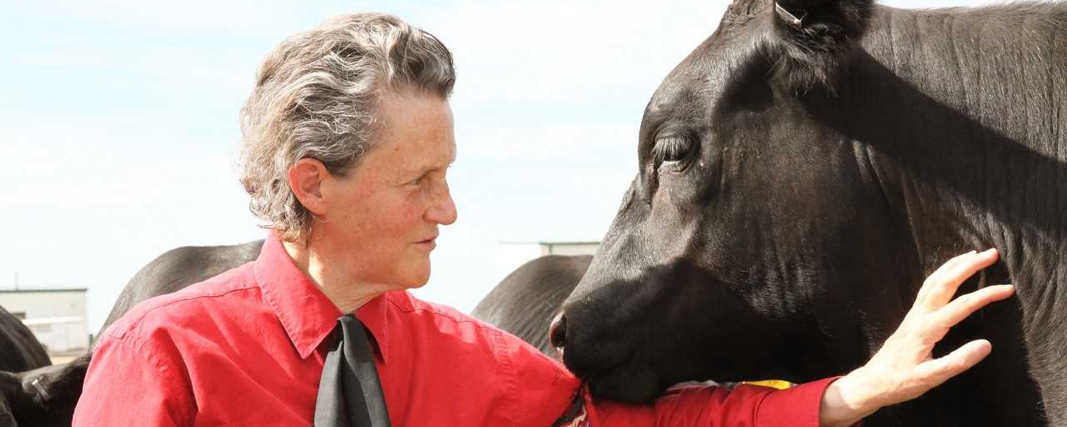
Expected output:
{"points": [[672, 149]]}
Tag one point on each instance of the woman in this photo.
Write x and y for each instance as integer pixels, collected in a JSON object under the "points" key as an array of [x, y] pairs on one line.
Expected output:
{"points": [[347, 140]]}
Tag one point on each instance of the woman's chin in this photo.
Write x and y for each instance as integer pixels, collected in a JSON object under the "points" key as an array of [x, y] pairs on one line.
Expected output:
{"points": [[415, 276]]}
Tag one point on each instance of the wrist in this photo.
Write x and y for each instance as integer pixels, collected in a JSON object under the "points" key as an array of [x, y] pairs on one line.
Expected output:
{"points": [[860, 391], [848, 400]]}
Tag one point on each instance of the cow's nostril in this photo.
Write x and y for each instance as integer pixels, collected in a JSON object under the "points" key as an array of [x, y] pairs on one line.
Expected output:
{"points": [[557, 333]]}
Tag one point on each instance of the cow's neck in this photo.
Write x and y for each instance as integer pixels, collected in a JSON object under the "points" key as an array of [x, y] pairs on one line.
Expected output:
{"points": [[968, 114], [967, 145], [1024, 222]]}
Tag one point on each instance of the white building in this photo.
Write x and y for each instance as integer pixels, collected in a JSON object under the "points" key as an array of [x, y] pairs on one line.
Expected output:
{"points": [[57, 317]]}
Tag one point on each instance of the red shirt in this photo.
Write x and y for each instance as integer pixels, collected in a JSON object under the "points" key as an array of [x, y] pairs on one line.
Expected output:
{"points": [[243, 349]]}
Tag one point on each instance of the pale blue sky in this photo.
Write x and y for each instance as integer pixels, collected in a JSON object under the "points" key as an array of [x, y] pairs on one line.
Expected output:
{"points": [[118, 124]]}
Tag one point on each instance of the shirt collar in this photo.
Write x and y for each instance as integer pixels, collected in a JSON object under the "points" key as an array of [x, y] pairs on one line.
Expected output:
{"points": [[307, 315]]}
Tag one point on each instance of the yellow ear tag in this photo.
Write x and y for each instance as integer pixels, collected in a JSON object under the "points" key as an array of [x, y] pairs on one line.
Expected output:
{"points": [[778, 384]]}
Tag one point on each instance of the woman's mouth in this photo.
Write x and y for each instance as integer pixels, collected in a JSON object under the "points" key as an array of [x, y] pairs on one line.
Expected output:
{"points": [[427, 244]]}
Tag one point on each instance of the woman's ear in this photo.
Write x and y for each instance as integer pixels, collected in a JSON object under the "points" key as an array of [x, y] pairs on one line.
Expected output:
{"points": [[305, 180]]}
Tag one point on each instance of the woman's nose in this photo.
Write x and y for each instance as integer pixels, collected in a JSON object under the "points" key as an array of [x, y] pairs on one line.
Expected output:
{"points": [[443, 210]]}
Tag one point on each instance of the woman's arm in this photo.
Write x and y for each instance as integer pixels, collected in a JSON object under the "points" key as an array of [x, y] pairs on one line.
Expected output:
{"points": [[904, 368]]}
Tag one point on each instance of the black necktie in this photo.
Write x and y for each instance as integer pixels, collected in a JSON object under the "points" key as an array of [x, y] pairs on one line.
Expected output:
{"points": [[350, 394]]}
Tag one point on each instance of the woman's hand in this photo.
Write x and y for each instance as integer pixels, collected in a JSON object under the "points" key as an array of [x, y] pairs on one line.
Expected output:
{"points": [[904, 368]]}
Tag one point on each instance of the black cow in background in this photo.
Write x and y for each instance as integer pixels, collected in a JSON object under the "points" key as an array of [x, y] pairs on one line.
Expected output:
{"points": [[804, 169], [525, 302], [39, 393], [42, 397], [178, 268], [19, 351]]}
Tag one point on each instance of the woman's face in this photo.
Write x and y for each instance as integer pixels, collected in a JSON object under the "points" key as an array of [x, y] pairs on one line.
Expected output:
{"points": [[383, 217]]}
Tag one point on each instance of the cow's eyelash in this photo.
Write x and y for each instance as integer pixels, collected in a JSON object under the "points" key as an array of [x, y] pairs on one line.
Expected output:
{"points": [[671, 149]]}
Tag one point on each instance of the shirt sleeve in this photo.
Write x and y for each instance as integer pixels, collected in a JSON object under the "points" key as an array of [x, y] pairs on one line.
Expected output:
{"points": [[744, 406], [134, 383], [543, 393]]}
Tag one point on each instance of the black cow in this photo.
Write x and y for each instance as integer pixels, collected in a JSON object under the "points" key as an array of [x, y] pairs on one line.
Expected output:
{"points": [[525, 302], [42, 397], [804, 169], [178, 268], [19, 349]]}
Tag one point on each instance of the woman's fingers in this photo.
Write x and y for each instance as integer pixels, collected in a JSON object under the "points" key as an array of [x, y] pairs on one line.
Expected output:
{"points": [[933, 278], [904, 368], [943, 283], [935, 372], [965, 305]]}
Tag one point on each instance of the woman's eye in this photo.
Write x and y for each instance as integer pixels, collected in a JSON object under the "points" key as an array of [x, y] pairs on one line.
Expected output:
{"points": [[671, 149]]}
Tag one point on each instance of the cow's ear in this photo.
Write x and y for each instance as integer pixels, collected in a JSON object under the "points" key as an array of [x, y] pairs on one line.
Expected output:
{"points": [[813, 40]]}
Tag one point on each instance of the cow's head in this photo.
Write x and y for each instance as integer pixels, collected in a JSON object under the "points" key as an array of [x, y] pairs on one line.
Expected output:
{"points": [[752, 242]]}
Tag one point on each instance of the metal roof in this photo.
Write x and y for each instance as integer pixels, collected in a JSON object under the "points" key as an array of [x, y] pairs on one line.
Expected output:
{"points": [[35, 290]]}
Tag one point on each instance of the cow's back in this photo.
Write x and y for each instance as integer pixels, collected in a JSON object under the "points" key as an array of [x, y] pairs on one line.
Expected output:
{"points": [[177, 269], [525, 302]]}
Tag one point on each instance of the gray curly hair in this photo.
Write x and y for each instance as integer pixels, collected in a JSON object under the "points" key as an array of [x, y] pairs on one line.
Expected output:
{"points": [[317, 95]]}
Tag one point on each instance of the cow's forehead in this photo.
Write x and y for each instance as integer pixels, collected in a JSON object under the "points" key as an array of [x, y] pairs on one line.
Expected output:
{"points": [[701, 78], [665, 96]]}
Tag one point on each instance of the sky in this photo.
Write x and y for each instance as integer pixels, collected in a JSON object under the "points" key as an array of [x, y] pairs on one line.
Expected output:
{"points": [[119, 125]]}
